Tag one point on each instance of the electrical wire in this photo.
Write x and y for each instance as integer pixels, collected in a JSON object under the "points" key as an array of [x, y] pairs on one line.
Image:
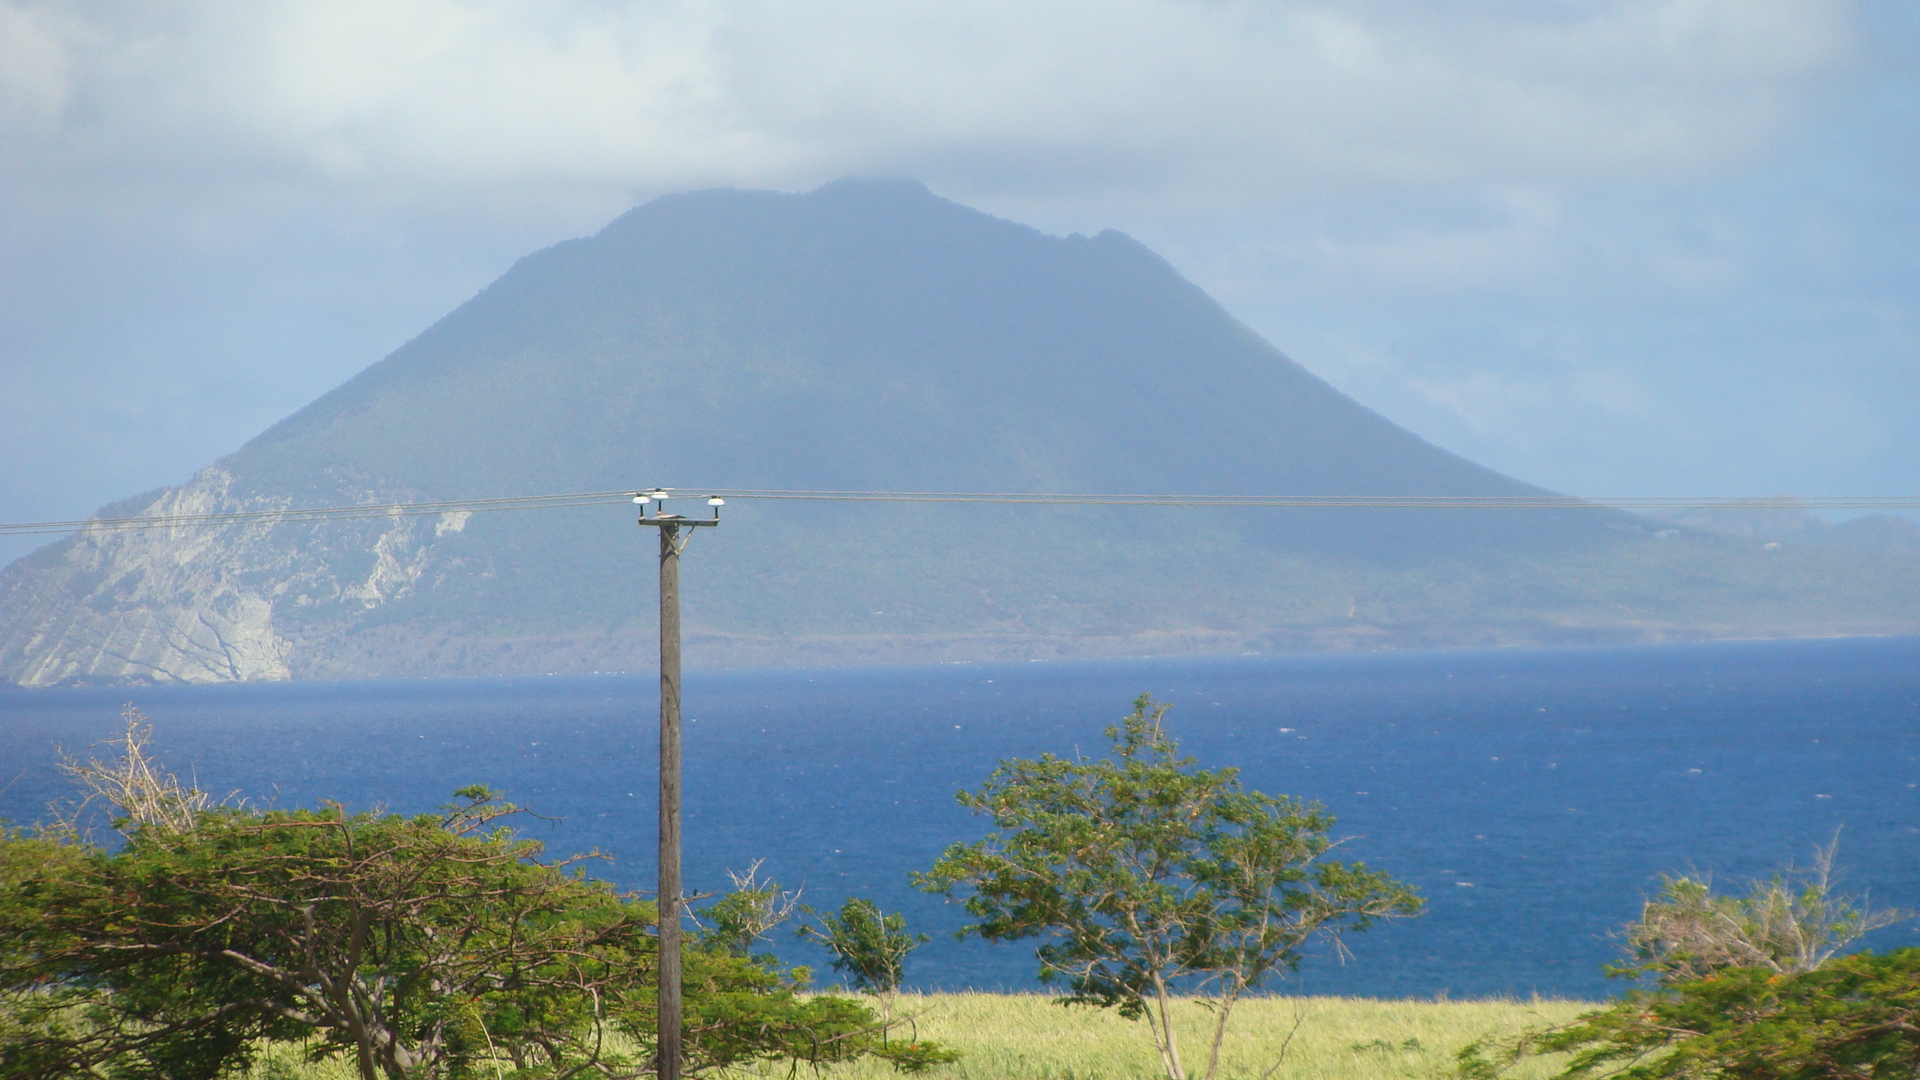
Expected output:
{"points": [[601, 498], [1443, 502]]}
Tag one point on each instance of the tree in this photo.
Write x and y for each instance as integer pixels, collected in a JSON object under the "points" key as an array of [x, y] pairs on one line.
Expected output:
{"points": [[1789, 924], [1744, 987], [745, 916], [868, 946], [416, 947], [131, 783], [1853, 1018], [1151, 877]]}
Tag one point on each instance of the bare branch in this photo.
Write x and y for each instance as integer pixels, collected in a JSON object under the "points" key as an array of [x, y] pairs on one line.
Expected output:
{"points": [[133, 783]]}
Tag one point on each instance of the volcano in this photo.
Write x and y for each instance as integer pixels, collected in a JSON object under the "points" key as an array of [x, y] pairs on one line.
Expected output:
{"points": [[872, 336]]}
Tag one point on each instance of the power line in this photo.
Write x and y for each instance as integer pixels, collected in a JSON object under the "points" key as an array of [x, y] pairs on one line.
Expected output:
{"points": [[600, 498], [1444, 502]]}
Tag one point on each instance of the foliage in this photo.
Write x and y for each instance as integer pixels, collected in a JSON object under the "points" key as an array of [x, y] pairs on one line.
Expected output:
{"points": [[1855, 1018], [416, 947], [1744, 986], [869, 947], [1788, 924], [1149, 875], [744, 917]]}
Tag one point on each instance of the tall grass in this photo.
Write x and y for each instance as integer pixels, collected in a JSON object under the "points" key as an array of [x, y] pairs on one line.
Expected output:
{"points": [[1027, 1037]]}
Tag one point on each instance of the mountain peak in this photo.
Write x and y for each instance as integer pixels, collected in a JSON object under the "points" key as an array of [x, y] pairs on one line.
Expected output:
{"points": [[866, 335]]}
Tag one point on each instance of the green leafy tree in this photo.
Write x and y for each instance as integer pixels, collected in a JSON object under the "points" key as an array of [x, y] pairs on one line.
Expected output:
{"points": [[409, 947], [868, 946], [1151, 877]]}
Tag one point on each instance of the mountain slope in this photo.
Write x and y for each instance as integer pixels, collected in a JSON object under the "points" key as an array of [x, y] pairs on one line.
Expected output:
{"points": [[867, 335]]}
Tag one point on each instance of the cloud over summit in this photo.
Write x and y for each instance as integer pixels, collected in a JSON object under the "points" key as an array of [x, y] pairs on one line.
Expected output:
{"points": [[1226, 99]]}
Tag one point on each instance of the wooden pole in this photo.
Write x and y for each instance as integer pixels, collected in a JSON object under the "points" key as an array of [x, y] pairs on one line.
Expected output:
{"points": [[667, 1061], [668, 1054]]}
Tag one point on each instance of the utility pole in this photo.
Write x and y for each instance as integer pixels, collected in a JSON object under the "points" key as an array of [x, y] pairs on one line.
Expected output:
{"points": [[672, 542]]}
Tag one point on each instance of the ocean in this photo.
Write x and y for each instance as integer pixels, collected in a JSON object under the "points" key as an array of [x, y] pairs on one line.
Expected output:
{"points": [[1534, 796]]}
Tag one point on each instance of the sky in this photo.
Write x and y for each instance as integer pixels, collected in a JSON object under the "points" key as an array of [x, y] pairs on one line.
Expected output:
{"points": [[1613, 247]]}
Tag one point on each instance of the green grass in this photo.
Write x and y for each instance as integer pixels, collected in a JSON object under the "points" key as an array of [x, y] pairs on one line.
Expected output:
{"points": [[1027, 1037]]}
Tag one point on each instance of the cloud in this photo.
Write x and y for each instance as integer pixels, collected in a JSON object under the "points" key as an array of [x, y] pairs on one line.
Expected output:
{"points": [[33, 75], [1207, 99]]}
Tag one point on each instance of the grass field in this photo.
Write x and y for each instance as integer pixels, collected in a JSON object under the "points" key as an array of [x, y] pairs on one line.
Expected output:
{"points": [[1026, 1037]]}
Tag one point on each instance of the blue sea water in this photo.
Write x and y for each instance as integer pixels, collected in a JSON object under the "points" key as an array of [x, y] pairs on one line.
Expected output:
{"points": [[1534, 796]]}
